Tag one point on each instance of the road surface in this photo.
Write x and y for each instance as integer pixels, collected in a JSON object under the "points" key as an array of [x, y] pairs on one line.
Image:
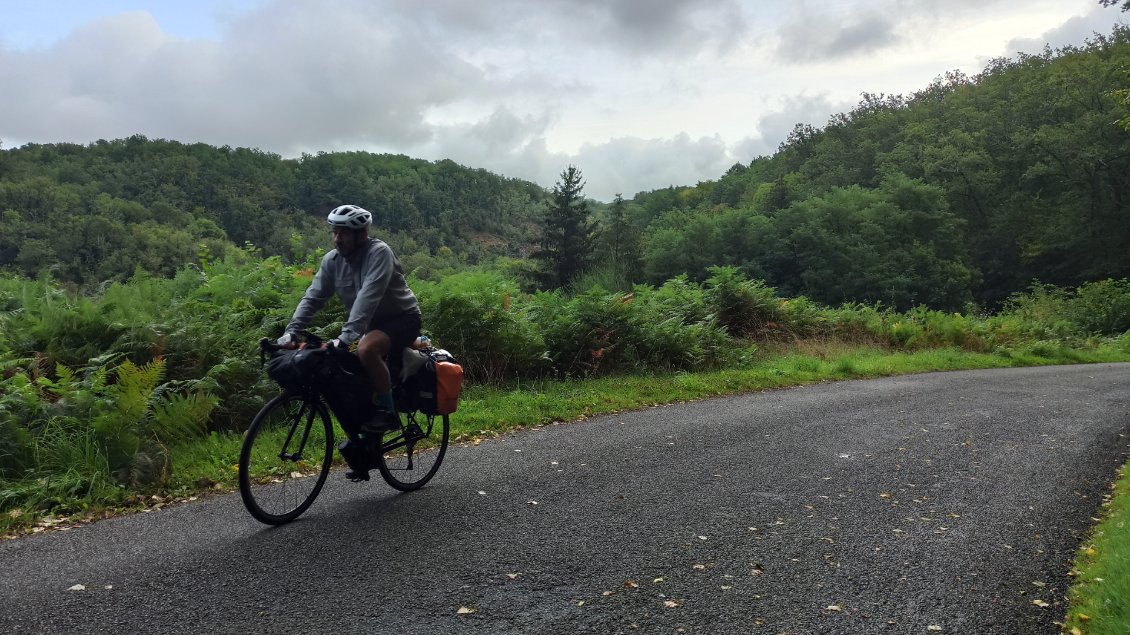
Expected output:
{"points": [[934, 503]]}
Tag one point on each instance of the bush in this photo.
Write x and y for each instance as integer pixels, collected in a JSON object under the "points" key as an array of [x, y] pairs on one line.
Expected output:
{"points": [[479, 318], [649, 329], [590, 332], [742, 306], [1101, 308]]}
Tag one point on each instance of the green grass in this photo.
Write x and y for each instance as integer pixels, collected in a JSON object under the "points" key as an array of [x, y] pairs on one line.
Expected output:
{"points": [[1100, 599]]}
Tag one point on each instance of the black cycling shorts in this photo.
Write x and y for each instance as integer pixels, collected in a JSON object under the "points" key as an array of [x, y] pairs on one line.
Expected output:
{"points": [[402, 330]]}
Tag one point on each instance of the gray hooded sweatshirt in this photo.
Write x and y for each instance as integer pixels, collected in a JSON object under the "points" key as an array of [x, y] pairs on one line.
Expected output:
{"points": [[369, 282]]}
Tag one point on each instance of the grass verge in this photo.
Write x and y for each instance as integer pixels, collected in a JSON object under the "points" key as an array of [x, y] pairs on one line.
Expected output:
{"points": [[1100, 598]]}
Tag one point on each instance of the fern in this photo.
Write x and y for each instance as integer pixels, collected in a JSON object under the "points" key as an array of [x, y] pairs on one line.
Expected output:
{"points": [[181, 417]]}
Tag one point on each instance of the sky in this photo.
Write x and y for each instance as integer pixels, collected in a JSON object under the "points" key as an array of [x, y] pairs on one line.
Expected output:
{"points": [[637, 94]]}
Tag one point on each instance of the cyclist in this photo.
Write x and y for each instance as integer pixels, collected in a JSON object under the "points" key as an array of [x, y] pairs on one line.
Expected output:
{"points": [[383, 312]]}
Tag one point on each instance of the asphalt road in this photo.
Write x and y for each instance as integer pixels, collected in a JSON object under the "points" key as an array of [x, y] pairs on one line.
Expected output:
{"points": [[946, 501]]}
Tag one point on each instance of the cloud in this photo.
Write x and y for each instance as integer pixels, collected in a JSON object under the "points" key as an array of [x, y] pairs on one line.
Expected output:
{"points": [[1073, 32], [652, 28], [278, 79], [629, 165], [814, 37], [812, 110]]}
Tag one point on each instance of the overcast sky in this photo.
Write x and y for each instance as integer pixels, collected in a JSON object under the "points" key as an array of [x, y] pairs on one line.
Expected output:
{"points": [[638, 94]]}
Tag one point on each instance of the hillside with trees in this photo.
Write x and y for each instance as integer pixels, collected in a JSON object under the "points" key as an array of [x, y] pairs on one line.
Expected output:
{"points": [[92, 214], [968, 189]]}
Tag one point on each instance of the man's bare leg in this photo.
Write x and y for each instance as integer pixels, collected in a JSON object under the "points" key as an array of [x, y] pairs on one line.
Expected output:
{"points": [[372, 350]]}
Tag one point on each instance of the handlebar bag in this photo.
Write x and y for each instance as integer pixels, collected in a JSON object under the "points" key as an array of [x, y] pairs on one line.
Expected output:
{"points": [[295, 370]]}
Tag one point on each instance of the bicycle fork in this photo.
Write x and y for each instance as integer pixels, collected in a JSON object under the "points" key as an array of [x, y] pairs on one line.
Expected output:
{"points": [[296, 456]]}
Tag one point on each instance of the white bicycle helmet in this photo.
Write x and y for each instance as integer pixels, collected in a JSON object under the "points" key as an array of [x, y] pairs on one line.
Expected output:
{"points": [[349, 217]]}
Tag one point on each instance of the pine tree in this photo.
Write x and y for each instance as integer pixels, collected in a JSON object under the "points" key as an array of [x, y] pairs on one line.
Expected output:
{"points": [[567, 239], [621, 241]]}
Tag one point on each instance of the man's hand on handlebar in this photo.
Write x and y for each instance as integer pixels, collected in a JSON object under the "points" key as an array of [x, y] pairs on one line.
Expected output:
{"points": [[287, 341]]}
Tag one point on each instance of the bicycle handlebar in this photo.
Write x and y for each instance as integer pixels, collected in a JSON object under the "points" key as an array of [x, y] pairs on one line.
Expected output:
{"points": [[267, 347]]}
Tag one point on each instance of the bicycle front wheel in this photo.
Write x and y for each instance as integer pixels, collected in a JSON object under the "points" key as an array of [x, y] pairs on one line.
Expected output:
{"points": [[411, 455], [286, 457]]}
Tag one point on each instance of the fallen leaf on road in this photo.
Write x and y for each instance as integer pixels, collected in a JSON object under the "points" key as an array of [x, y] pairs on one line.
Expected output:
{"points": [[77, 587], [670, 604], [513, 576], [631, 584], [835, 607], [933, 627], [465, 610], [700, 567], [607, 593], [1041, 603]]}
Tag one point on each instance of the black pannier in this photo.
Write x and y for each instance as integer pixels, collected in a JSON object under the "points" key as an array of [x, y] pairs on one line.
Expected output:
{"points": [[420, 388], [348, 390]]}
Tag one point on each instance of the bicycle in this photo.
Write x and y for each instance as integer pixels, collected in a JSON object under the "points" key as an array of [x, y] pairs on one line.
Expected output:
{"points": [[288, 449]]}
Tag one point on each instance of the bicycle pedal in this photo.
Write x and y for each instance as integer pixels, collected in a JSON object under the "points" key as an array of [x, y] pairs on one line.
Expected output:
{"points": [[357, 477]]}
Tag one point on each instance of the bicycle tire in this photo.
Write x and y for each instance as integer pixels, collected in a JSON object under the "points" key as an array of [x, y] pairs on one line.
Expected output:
{"points": [[408, 461], [276, 484]]}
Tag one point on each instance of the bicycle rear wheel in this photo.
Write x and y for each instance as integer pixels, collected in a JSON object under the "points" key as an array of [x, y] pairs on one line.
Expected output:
{"points": [[286, 457], [411, 455]]}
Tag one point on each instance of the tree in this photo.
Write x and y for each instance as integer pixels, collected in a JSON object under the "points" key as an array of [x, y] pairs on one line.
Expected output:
{"points": [[621, 242], [568, 233]]}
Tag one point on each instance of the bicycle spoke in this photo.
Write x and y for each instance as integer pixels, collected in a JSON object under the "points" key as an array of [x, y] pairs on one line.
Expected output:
{"points": [[411, 456]]}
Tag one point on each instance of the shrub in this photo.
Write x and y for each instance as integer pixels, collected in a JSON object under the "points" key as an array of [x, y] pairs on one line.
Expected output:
{"points": [[742, 306], [677, 298], [478, 316], [590, 332], [803, 317], [1101, 308]]}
